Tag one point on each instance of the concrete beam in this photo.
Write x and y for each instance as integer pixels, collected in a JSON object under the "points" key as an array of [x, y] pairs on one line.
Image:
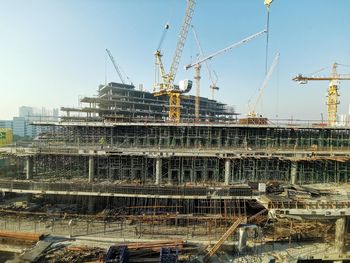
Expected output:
{"points": [[108, 194], [306, 213]]}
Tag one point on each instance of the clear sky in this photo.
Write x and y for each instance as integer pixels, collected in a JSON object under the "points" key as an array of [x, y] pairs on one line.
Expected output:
{"points": [[53, 52]]}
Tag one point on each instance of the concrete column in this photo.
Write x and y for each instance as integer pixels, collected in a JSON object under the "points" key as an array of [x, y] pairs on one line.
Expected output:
{"points": [[91, 204], [28, 197], [340, 233], [158, 171], [205, 170], [227, 171], [192, 174], [29, 168], [91, 169], [242, 242], [182, 172], [169, 174], [293, 173]]}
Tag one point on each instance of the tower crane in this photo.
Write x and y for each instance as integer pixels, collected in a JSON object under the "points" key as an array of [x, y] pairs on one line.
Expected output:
{"points": [[166, 84], [332, 97], [252, 111], [197, 65], [213, 85], [117, 69]]}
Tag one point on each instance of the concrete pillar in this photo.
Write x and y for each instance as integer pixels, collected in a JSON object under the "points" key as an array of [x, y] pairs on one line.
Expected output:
{"points": [[242, 241], [29, 168], [91, 169], [340, 234], [182, 172], [28, 198], [169, 174], [158, 171], [91, 204], [227, 171], [293, 173]]}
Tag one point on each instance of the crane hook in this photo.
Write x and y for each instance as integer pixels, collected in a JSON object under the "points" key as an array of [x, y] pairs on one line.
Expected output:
{"points": [[268, 3]]}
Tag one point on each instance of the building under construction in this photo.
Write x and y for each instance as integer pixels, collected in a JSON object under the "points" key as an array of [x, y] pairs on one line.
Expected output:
{"points": [[122, 102], [143, 148], [133, 165], [192, 178]]}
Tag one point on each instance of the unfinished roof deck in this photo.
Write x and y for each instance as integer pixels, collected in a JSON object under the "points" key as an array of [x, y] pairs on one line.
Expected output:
{"points": [[117, 101]]}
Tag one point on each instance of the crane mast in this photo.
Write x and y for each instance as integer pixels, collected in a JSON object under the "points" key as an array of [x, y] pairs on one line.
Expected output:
{"points": [[166, 86], [213, 85], [181, 41], [332, 100]]}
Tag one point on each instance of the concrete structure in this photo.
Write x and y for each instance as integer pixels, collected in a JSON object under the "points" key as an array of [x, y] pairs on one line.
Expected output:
{"points": [[29, 167], [121, 102]]}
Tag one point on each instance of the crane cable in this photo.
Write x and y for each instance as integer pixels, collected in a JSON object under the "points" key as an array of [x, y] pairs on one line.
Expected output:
{"points": [[166, 27], [267, 36]]}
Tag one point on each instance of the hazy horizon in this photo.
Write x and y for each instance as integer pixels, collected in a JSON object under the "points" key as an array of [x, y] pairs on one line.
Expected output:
{"points": [[53, 52]]}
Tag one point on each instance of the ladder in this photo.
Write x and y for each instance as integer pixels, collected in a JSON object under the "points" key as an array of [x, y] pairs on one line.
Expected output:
{"points": [[223, 238]]}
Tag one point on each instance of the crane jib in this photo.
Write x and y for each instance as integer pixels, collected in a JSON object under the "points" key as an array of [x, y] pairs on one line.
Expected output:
{"points": [[243, 41]]}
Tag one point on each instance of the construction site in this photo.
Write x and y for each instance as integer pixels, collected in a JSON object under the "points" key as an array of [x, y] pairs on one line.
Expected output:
{"points": [[163, 176]]}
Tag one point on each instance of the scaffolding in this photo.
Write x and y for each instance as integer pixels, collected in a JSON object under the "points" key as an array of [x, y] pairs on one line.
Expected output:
{"points": [[224, 136]]}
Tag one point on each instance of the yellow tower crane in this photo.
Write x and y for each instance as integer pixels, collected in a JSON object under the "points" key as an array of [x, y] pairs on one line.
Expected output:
{"points": [[165, 85], [332, 97]]}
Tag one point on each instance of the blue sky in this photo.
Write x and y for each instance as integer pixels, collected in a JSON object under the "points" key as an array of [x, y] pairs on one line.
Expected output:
{"points": [[52, 52]]}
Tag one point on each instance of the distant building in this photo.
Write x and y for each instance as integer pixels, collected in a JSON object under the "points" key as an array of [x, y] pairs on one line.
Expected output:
{"points": [[25, 111], [6, 124], [21, 125], [36, 114]]}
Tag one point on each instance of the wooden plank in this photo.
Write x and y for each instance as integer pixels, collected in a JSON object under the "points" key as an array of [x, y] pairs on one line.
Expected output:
{"points": [[26, 236], [223, 238]]}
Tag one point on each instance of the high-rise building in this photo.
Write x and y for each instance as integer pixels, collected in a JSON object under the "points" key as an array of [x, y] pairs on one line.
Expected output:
{"points": [[25, 111]]}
